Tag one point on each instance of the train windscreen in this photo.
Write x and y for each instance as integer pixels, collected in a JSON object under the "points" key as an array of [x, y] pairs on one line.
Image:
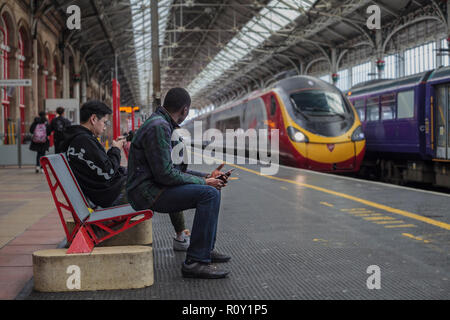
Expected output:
{"points": [[319, 103], [322, 112]]}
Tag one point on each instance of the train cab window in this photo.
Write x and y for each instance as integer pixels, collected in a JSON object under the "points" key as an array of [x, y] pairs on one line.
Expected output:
{"points": [[273, 105], [405, 104], [373, 109], [388, 106], [360, 105]]}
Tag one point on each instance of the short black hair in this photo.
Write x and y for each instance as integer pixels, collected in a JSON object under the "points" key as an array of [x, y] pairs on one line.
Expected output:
{"points": [[91, 107], [176, 99], [42, 114], [60, 110]]}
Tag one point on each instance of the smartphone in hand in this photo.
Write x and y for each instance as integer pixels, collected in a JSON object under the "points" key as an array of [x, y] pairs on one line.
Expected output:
{"points": [[224, 176]]}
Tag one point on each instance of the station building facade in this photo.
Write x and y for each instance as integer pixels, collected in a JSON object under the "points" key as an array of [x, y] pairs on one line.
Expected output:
{"points": [[38, 52]]}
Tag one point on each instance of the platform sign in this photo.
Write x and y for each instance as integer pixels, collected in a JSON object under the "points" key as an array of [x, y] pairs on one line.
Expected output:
{"points": [[15, 82]]}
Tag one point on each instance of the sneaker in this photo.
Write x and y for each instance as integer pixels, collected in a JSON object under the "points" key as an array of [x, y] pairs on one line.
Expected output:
{"points": [[182, 245], [203, 271], [37, 169]]}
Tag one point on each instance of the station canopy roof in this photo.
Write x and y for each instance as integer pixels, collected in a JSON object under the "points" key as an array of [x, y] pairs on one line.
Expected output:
{"points": [[215, 47]]}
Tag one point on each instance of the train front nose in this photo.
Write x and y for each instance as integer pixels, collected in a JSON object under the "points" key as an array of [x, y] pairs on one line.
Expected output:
{"points": [[332, 157]]}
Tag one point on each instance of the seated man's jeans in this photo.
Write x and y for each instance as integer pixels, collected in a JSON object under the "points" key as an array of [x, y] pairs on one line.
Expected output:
{"points": [[206, 201], [177, 218]]}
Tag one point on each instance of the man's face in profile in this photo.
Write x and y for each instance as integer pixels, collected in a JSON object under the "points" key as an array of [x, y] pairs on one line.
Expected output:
{"points": [[100, 125], [184, 114]]}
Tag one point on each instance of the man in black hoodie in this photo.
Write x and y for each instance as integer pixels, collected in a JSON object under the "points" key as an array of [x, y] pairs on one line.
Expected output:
{"points": [[99, 174]]}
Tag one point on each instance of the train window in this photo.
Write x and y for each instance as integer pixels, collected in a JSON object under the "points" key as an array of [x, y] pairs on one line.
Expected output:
{"points": [[405, 104], [319, 103], [360, 105], [273, 105], [373, 109], [388, 106]]}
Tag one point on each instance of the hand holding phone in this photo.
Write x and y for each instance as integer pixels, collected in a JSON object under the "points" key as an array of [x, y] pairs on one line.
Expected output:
{"points": [[224, 177]]}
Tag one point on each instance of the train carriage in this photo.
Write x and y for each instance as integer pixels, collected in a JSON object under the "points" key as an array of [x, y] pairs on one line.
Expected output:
{"points": [[406, 122]]}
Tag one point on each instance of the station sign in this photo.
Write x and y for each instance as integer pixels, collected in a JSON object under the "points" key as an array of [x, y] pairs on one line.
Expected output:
{"points": [[129, 109], [15, 82]]}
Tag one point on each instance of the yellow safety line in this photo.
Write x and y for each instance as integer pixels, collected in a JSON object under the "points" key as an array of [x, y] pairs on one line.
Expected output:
{"points": [[389, 222], [404, 213], [401, 226], [414, 237], [379, 218], [326, 204]]}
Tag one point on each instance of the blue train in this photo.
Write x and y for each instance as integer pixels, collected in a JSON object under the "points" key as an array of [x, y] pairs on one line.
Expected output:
{"points": [[406, 122]]}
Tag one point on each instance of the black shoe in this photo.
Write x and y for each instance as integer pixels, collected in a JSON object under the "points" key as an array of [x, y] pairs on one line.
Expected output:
{"points": [[217, 257], [203, 271]]}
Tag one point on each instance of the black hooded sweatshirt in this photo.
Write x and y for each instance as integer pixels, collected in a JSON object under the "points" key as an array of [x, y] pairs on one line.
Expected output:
{"points": [[98, 172]]}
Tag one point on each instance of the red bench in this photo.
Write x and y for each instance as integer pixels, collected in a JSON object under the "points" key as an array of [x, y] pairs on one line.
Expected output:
{"points": [[91, 226]]}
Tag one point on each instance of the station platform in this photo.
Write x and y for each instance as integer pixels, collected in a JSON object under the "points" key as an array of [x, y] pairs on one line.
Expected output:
{"points": [[295, 235]]}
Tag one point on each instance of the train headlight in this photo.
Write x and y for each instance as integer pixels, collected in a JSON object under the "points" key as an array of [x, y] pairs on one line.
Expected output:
{"points": [[358, 134], [296, 135]]}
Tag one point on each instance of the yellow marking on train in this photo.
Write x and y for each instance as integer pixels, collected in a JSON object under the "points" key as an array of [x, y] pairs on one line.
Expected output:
{"points": [[401, 226], [415, 238], [326, 204], [389, 222], [383, 207], [379, 218], [320, 240], [441, 113]]}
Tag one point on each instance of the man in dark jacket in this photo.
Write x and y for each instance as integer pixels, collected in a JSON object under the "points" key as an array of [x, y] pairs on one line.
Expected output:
{"points": [[99, 174], [155, 182], [58, 126]]}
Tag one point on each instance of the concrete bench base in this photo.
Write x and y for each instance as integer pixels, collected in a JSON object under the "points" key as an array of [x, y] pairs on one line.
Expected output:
{"points": [[141, 234], [106, 268]]}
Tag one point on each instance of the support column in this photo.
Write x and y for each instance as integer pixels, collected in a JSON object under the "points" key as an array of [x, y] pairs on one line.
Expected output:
{"points": [[401, 63], [66, 75], [83, 90], [380, 63], [77, 75], [439, 60], [155, 55], [35, 67], [334, 67]]}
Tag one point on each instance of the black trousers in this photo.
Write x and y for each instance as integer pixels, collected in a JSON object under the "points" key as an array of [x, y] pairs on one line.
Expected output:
{"points": [[39, 154], [58, 143]]}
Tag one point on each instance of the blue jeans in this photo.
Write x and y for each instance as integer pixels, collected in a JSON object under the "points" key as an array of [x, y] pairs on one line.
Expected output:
{"points": [[206, 201]]}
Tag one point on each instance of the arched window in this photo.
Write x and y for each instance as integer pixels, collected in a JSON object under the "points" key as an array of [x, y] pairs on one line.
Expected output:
{"points": [[55, 76], [4, 74], [3, 55], [45, 77], [21, 69]]}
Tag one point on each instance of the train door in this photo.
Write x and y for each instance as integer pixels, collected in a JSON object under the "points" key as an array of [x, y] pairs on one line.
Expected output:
{"points": [[442, 115]]}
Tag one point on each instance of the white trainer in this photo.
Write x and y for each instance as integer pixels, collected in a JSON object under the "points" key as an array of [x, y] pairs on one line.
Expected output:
{"points": [[182, 244]]}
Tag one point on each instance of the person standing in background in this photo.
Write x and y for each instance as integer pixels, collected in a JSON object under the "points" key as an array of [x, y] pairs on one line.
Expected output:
{"points": [[58, 126], [39, 141]]}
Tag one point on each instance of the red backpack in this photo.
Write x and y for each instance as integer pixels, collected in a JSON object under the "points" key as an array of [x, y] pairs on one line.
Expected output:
{"points": [[40, 133]]}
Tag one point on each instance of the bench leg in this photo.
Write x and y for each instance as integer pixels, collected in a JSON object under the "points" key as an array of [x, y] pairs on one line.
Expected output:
{"points": [[82, 243]]}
